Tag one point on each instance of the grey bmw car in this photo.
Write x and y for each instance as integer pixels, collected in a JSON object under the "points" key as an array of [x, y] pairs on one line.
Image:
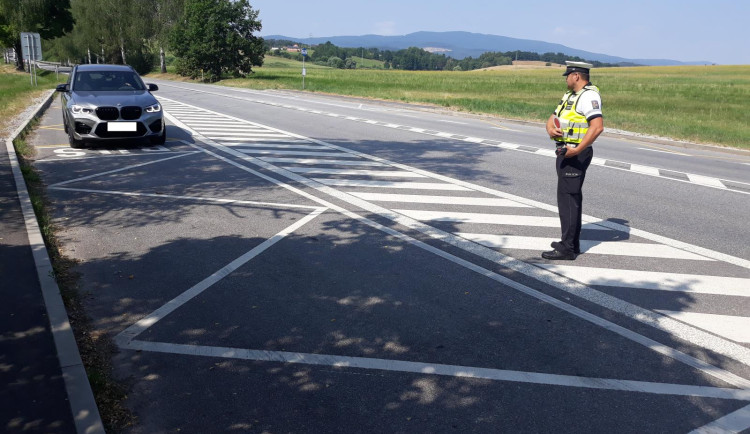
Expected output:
{"points": [[110, 102]]}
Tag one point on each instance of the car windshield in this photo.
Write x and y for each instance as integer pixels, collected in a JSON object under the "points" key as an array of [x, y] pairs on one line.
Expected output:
{"points": [[107, 81]]}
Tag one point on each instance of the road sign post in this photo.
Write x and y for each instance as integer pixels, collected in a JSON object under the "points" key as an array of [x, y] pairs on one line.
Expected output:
{"points": [[31, 51]]}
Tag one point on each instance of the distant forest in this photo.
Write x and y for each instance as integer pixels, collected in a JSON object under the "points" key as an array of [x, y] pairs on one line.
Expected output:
{"points": [[413, 58]]}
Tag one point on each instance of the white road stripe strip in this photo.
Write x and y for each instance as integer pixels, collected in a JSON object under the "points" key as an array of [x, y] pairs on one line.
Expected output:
{"points": [[169, 196], [736, 328], [662, 151], [734, 286], [320, 161], [280, 145], [386, 173], [241, 138], [443, 370], [735, 422], [445, 200], [238, 133], [388, 184], [619, 248], [318, 154], [134, 330], [705, 180], [230, 141], [122, 169], [646, 170], [481, 218]]}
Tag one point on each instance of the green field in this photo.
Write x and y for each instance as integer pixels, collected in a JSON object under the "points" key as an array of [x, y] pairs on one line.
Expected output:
{"points": [[703, 104]]}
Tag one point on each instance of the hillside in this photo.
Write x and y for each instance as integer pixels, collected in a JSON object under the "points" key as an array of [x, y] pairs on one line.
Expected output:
{"points": [[464, 44]]}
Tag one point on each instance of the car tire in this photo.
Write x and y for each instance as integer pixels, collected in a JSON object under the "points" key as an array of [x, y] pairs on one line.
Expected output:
{"points": [[162, 138], [74, 143]]}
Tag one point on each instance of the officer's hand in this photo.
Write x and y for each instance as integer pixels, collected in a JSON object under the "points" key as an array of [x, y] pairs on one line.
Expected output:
{"points": [[554, 132], [572, 152]]}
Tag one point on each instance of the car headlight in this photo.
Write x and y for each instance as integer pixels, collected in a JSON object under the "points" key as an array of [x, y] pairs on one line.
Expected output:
{"points": [[153, 108], [79, 109]]}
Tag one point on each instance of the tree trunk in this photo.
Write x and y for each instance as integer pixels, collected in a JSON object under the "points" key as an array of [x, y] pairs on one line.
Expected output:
{"points": [[19, 55], [88, 50], [122, 50], [162, 61]]}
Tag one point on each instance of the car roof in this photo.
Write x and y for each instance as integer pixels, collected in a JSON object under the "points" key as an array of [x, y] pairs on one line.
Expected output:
{"points": [[104, 67]]}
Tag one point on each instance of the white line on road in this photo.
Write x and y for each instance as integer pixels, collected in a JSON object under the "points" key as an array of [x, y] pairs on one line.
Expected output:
{"points": [[736, 328], [319, 161], [697, 283], [444, 200], [307, 153], [443, 370], [354, 172], [389, 184], [618, 248], [134, 330], [207, 199], [482, 218]]}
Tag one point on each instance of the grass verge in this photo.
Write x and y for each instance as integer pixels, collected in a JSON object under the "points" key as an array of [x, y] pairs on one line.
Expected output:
{"points": [[96, 348]]}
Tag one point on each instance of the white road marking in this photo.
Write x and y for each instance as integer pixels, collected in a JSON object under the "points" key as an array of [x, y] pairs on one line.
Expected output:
{"points": [[665, 152], [482, 218], [705, 180], [231, 141], [445, 200], [736, 328], [122, 169], [279, 146], [310, 153], [443, 370], [735, 422], [646, 170], [389, 184], [196, 198], [354, 172], [238, 133], [697, 283], [134, 330], [618, 248], [321, 161]]}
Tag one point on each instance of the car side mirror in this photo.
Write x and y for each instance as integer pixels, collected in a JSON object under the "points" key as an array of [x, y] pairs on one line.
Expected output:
{"points": [[152, 87], [62, 88]]}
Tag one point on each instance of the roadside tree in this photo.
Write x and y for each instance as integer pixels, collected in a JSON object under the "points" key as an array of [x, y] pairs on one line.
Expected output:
{"points": [[215, 37], [49, 18]]}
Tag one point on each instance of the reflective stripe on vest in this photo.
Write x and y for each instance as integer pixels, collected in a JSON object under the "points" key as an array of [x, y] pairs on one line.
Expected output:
{"points": [[573, 124]]}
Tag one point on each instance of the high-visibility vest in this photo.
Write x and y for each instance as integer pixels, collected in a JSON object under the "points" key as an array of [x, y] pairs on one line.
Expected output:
{"points": [[573, 124]]}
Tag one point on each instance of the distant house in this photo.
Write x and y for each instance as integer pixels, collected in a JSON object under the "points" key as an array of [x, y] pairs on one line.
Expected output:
{"points": [[293, 49]]}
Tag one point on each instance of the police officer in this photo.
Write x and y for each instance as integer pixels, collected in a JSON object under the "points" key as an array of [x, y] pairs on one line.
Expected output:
{"points": [[575, 124]]}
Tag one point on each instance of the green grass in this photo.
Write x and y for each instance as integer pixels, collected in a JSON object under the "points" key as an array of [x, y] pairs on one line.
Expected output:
{"points": [[703, 104], [16, 91]]}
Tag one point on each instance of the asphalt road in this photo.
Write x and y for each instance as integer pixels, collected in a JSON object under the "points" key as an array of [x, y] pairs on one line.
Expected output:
{"points": [[298, 263]]}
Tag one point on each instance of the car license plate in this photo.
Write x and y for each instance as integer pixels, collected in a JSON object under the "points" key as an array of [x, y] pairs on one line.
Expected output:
{"points": [[122, 126]]}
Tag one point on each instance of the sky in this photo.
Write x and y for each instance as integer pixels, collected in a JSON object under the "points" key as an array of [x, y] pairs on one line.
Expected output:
{"points": [[716, 31]]}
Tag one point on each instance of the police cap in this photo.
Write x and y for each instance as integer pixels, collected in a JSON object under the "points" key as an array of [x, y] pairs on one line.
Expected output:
{"points": [[577, 67]]}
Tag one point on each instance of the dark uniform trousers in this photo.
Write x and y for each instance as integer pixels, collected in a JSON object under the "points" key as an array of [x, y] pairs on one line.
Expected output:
{"points": [[571, 173]]}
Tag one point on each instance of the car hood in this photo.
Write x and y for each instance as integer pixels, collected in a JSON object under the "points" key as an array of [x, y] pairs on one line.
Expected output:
{"points": [[141, 98]]}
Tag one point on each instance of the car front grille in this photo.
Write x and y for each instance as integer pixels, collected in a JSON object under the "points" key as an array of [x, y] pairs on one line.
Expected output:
{"points": [[107, 113], [130, 113]]}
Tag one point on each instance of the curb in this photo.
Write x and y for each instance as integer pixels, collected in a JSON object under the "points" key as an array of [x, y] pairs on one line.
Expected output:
{"points": [[81, 398]]}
